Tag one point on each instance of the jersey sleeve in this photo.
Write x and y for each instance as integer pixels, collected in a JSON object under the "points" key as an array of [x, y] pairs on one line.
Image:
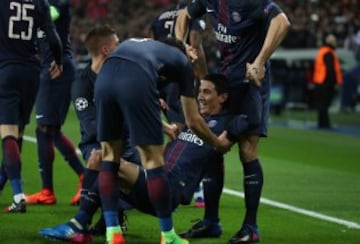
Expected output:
{"points": [[47, 25], [186, 81], [82, 99], [271, 10]]}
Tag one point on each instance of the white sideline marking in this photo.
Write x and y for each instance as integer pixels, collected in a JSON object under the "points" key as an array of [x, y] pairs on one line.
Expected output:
{"points": [[349, 224]]}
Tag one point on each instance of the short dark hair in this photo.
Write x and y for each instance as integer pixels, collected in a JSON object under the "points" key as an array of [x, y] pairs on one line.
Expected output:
{"points": [[97, 36], [220, 81]]}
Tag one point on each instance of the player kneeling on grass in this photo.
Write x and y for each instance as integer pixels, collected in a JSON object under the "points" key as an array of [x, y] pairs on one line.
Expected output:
{"points": [[185, 168]]}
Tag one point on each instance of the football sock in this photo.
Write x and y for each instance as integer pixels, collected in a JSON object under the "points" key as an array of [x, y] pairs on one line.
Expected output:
{"points": [[12, 163], [20, 143], [108, 179], [67, 149], [159, 194], [90, 176], [82, 218], [19, 197], [3, 176], [253, 181], [213, 183], [45, 146], [89, 202]]}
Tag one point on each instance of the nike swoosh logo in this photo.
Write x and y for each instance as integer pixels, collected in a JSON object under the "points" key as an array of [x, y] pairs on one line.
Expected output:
{"points": [[210, 10], [39, 116], [249, 176]]}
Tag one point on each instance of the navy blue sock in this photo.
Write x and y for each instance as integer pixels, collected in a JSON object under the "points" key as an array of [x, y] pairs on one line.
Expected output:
{"points": [[159, 194], [213, 183], [12, 162], [108, 181], [253, 181], [20, 143], [67, 150], [90, 176], [83, 218], [90, 199], [3, 176], [45, 146]]}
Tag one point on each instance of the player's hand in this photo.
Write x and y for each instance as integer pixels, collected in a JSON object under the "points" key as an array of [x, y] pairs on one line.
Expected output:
{"points": [[224, 143], [55, 70], [255, 72], [191, 52], [94, 161], [171, 130]]}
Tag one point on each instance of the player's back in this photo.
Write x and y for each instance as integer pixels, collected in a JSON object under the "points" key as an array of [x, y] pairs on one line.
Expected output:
{"points": [[19, 22], [164, 24], [158, 59]]}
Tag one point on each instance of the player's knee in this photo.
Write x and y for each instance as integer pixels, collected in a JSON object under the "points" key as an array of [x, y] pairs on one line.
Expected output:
{"points": [[249, 149], [111, 151], [48, 128]]}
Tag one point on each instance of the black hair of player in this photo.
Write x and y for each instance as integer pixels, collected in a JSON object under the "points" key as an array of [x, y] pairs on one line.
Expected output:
{"points": [[220, 82]]}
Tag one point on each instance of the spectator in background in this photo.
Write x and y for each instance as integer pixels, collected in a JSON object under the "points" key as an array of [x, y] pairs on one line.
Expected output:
{"points": [[327, 78]]}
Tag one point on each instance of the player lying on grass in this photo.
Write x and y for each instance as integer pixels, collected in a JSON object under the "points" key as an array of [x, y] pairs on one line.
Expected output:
{"points": [[188, 159]]}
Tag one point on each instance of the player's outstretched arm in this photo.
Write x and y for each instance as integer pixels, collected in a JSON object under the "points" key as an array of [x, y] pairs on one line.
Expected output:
{"points": [[182, 24]]}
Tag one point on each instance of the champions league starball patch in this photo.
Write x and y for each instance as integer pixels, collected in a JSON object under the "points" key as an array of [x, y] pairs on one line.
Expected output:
{"points": [[212, 123], [81, 103]]}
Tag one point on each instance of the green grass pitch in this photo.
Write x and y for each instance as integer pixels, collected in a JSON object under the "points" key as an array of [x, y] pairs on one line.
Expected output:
{"points": [[306, 169]]}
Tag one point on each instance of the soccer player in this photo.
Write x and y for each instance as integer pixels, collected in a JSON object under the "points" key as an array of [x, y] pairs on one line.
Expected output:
{"points": [[126, 90], [184, 168], [52, 104], [162, 27], [99, 42], [19, 74], [247, 33]]}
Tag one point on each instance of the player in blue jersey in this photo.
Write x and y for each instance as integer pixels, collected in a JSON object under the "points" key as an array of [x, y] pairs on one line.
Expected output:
{"points": [[99, 42], [247, 33], [162, 27], [52, 104], [19, 74], [188, 160], [126, 90]]}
